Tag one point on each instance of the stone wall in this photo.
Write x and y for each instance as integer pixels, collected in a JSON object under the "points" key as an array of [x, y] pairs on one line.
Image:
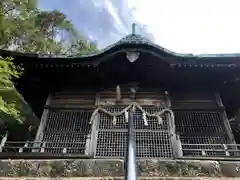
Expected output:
{"points": [[119, 178], [114, 168]]}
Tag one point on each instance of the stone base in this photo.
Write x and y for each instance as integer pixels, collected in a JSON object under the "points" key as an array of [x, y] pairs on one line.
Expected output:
{"points": [[119, 178], [114, 168]]}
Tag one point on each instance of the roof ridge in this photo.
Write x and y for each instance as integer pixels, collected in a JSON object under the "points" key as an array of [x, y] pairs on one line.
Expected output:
{"points": [[132, 39]]}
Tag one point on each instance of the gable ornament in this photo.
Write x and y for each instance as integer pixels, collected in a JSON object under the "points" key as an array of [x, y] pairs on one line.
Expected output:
{"points": [[132, 56]]}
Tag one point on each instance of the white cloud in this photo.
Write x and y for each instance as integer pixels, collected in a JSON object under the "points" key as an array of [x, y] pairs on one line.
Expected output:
{"points": [[192, 26], [113, 12]]}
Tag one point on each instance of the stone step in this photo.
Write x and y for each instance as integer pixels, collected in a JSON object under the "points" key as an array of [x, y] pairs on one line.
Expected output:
{"points": [[113, 168]]}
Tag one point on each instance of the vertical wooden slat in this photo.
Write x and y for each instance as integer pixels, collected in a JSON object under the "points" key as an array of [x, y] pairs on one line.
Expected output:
{"points": [[227, 125], [42, 124], [4, 140]]}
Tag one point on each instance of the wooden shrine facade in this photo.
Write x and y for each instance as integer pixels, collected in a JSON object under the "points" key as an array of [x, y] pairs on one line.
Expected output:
{"points": [[202, 92]]}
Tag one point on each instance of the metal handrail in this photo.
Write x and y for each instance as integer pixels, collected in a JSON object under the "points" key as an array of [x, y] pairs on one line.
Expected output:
{"points": [[130, 157]]}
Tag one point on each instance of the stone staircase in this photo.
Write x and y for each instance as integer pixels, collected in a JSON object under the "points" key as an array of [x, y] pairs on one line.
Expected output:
{"points": [[114, 169]]}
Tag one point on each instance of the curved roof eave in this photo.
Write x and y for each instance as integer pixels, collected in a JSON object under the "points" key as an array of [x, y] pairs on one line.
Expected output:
{"points": [[131, 39]]}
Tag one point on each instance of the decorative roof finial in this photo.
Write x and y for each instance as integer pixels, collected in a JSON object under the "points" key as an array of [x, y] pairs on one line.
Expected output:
{"points": [[133, 28]]}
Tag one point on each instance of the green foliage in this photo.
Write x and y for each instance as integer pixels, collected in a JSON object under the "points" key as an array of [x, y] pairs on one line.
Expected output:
{"points": [[25, 28], [8, 71], [81, 47], [8, 104]]}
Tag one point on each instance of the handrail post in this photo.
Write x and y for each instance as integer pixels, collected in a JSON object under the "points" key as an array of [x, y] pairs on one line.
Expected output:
{"points": [[130, 156]]}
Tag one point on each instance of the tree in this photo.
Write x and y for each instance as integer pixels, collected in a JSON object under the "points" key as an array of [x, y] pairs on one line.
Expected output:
{"points": [[60, 36], [25, 28], [15, 21], [8, 71], [81, 47]]}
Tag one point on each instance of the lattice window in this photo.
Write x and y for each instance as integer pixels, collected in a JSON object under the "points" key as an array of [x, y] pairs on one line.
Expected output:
{"points": [[67, 129], [153, 144], [148, 144], [68, 120], [197, 128], [188, 139], [72, 142], [106, 121], [152, 122], [204, 149], [203, 122], [111, 143]]}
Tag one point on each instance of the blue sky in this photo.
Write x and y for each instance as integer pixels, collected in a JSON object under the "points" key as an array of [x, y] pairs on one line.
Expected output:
{"points": [[183, 26]]}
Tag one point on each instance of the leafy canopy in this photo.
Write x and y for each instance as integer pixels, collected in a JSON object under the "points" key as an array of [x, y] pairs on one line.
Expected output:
{"points": [[8, 105], [26, 28]]}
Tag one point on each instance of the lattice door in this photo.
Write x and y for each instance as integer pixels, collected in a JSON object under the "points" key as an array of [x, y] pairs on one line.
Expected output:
{"points": [[151, 141], [201, 124], [65, 125]]}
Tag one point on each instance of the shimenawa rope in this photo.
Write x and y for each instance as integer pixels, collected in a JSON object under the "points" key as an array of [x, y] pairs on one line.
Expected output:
{"points": [[145, 114]]}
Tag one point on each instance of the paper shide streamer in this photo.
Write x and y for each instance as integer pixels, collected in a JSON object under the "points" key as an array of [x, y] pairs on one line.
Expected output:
{"points": [[145, 114]]}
